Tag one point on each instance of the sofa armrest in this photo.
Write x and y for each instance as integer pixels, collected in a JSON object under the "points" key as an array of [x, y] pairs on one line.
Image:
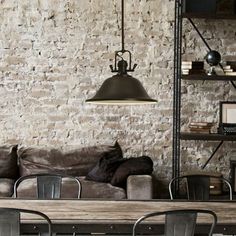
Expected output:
{"points": [[139, 187]]}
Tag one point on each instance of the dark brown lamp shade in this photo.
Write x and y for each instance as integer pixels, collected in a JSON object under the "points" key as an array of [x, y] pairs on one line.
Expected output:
{"points": [[121, 89]]}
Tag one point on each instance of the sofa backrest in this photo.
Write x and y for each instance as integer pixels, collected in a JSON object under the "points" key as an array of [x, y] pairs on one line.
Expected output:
{"points": [[77, 162]]}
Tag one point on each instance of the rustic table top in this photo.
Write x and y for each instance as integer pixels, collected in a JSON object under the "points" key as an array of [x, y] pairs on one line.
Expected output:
{"points": [[122, 211]]}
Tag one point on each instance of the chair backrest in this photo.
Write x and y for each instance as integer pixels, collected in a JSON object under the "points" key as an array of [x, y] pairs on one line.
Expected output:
{"points": [[48, 185], [198, 186], [10, 221], [178, 222]]}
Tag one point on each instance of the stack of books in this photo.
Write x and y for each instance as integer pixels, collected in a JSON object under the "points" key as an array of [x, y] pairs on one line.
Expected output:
{"points": [[192, 67], [230, 68], [200, 127]]}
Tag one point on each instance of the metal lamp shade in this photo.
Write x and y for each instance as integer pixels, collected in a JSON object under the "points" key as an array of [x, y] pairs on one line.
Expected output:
{"points": [[121, 89]]}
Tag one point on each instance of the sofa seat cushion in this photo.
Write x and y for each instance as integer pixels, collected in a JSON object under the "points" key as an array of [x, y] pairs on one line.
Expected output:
{"points": [[76, 162], [93, 189], [90, 189], [6, 187]]}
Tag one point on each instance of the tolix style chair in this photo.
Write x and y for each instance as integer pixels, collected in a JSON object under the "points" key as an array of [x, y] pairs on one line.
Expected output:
{"points": [[48, 185], [10, 219], [198, 186], [178, 222]]}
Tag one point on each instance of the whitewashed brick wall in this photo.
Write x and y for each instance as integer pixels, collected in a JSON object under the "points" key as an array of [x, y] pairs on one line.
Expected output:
{"points": [[54, 54]]}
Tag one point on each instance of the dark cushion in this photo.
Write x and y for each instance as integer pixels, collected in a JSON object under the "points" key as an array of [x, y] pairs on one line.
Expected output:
{"points": [[8, 162], [132, 166], [106, 166], [77, 162]]}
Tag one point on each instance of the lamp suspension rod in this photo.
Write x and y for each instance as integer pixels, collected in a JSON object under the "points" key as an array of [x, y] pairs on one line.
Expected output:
{"points": [[122, 26]]}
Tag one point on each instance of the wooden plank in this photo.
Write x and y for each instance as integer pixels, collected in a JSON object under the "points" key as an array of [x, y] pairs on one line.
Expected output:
{"points": [[89, 211]]}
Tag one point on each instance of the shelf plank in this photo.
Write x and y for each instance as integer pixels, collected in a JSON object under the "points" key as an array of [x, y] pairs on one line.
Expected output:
{"points": [[203, 136], [209, 16], [209, 77]]}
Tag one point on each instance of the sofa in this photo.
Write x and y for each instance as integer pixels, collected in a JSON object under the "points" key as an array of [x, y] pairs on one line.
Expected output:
{"points": [[101, 169]]}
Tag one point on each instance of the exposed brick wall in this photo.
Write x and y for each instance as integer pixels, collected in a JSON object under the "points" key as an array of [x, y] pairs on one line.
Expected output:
{"points": [[54, 54]]}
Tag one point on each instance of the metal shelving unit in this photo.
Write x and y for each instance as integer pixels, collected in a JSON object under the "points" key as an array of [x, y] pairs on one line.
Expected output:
{"points": [[207, 77], [177, 135]]}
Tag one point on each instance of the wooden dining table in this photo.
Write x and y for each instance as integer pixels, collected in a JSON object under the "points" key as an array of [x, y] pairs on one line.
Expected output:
{"points": [[115, 217]]}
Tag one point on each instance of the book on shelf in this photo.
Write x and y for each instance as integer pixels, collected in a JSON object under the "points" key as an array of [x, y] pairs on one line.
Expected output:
{"points": [[192, 67], [233, 73], [199, 71], [204, 131], [200, 124], [231, 64]]}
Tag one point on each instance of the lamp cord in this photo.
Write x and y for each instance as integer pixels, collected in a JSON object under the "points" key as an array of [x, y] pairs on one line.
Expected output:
{"points": [[122, 27]]}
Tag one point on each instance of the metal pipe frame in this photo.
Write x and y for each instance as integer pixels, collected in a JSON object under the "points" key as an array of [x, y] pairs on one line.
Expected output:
{"points": [[115, 229], [177, 92]]}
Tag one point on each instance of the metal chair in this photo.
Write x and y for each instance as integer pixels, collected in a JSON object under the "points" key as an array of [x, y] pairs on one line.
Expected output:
{"points": [[198, 186], [178, 222], [48, 185], [10, 221]]}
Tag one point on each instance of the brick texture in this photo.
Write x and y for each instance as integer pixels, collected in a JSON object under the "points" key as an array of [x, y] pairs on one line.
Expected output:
{"points": [[54, 54]]}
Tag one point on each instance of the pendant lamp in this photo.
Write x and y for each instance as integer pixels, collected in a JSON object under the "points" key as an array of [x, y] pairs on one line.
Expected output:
{"points": [[122, 88]]}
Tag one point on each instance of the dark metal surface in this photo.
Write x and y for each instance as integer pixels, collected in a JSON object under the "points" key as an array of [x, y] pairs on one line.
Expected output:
{"points": [[117, 229], [48, 185], [209, 137], [10, 221], [206, 77], [177, 92], [209, 16], [176, 156], [178, 222], [122, 88], [198, 186], [213, 154], [200, 35]]}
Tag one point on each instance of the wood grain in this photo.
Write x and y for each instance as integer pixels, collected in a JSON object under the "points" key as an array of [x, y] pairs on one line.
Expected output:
{"points": [[95, 211]]}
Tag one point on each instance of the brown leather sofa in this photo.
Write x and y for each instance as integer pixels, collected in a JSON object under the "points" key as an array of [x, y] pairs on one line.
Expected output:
{"points": [[79, 162]]}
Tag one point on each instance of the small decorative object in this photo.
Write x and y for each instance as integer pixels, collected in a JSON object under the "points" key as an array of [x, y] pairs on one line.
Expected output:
{"points": [[213, 58], [227, 123]]}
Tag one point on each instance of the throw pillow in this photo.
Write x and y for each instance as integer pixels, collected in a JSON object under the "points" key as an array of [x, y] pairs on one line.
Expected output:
{"points": [[132, 166], [8, 162], [107, 165]]}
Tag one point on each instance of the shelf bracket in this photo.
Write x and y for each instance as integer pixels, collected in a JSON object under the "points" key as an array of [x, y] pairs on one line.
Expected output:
{"points": [[234, 85], [200, 35], [207, 45], [212, 155]]}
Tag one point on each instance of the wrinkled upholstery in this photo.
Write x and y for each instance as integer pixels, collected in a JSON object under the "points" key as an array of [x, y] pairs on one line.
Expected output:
{"points": [[6, 187], [90, 189], [139, 187], [78, 163], [74, 162], [107, 165]]}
